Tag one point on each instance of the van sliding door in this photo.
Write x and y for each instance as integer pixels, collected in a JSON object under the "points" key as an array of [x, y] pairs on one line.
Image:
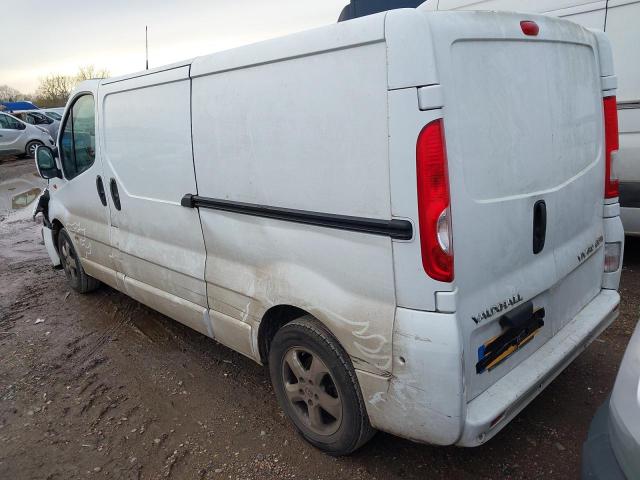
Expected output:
{"points": [[146, 142]]}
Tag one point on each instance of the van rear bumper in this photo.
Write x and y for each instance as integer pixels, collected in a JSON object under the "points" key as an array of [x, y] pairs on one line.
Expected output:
{"points": [[424, 399], [509, 395]]}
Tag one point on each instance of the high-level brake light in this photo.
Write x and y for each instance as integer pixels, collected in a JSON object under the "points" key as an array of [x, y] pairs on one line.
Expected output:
{"points": [[529, 27]]}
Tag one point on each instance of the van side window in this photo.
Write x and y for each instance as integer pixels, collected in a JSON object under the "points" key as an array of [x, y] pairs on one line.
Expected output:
{"points": [[78, 141]]}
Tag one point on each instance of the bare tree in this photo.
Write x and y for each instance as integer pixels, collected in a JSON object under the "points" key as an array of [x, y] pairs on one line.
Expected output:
{"points": [[88, 72], [54, 89], [10, 94]]}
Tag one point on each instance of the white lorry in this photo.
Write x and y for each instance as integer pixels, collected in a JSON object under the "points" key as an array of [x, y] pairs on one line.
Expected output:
{"points": [[409, 216]]}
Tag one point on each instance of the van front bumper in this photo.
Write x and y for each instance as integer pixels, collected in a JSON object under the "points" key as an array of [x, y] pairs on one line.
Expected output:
{"points": [[424, 399], [49, 244]]}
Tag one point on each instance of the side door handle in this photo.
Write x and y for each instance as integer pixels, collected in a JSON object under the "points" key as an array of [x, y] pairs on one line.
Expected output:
{"points": [[100, 188], [115, 196], [539, 225]]}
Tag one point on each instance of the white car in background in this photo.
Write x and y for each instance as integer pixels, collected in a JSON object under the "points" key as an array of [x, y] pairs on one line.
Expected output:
{"points": [[53, 113], [612, 449], [38, 118], [20, 138]]}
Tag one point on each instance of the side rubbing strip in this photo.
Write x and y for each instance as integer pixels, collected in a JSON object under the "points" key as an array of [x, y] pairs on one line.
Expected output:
{"points": [[397, 229]]}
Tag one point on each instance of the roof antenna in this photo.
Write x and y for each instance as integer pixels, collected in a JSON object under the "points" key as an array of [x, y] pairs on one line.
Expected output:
{"points": [[146, 46]]}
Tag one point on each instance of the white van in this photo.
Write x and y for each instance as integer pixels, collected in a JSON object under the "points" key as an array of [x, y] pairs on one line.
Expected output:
{"points": [[620, 20], [295, 201]]}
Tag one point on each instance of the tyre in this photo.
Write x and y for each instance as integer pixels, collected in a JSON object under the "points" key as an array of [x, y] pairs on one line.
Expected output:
{"points": [[30, 149], [77, 277], [316, 386]]}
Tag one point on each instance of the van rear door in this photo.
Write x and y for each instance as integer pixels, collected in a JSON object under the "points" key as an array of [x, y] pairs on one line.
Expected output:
{"points": [[523, 123]]}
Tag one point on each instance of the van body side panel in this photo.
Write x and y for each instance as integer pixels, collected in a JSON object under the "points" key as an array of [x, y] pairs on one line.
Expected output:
{"points": [[293, 134], [414, 288], [146, 145], [424, 398], [308, 133]]}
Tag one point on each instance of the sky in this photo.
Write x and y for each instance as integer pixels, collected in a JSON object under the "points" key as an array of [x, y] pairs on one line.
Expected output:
{"points": [[66, 34]]}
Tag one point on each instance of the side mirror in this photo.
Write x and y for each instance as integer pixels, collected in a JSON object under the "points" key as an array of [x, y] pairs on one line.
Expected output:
{"points": [[22, 126], [46, 163]]}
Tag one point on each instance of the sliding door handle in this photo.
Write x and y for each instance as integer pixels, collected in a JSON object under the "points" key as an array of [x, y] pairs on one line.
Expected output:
{"points": [[115, 195], [100, 188]]}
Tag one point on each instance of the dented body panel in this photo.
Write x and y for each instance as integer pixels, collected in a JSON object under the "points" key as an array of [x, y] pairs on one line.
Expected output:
{"points": [[283, 174]]}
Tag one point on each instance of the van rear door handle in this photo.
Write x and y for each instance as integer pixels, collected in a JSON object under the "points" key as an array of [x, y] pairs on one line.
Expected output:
{"points": [[115, 195], [100, 188], [539, 225]]}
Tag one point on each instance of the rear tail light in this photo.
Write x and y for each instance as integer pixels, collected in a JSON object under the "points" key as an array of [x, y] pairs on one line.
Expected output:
{"points": [[434, 209], [611, 183], [612, 252]]}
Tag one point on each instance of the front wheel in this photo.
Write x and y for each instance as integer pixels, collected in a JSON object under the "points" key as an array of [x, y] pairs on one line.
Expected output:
{"points": [[317, 388], [77, 277]]}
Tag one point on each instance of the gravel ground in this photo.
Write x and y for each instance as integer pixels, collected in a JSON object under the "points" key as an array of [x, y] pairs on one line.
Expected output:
{"points": [[99, 386]]}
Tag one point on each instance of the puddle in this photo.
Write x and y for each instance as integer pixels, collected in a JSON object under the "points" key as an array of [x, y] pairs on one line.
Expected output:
{"points": [[25, 198], [18, 192]]}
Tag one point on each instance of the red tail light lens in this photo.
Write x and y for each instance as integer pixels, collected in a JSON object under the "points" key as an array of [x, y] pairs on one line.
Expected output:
{"points": [[433, 203], [529, 27], [611, 183]]}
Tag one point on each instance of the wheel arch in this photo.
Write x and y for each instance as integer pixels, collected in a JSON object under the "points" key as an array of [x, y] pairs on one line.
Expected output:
{"points": [[56, 227], [273, 320]]}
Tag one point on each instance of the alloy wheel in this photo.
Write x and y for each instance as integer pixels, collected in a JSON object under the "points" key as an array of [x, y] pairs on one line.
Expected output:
{"points": [[69, 260], [312, 391], [32, 149]]}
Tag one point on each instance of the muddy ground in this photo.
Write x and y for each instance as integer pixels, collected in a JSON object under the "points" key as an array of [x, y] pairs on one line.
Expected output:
{"points": [[99, 386]]}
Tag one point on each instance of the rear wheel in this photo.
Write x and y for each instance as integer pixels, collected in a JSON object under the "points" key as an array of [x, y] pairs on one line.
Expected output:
{"points": [[77, 277], [30, 150], [317, 388]]}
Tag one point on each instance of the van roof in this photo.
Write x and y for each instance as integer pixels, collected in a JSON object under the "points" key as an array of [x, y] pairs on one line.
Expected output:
{"points": [[142, 73], [306, 42]]}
